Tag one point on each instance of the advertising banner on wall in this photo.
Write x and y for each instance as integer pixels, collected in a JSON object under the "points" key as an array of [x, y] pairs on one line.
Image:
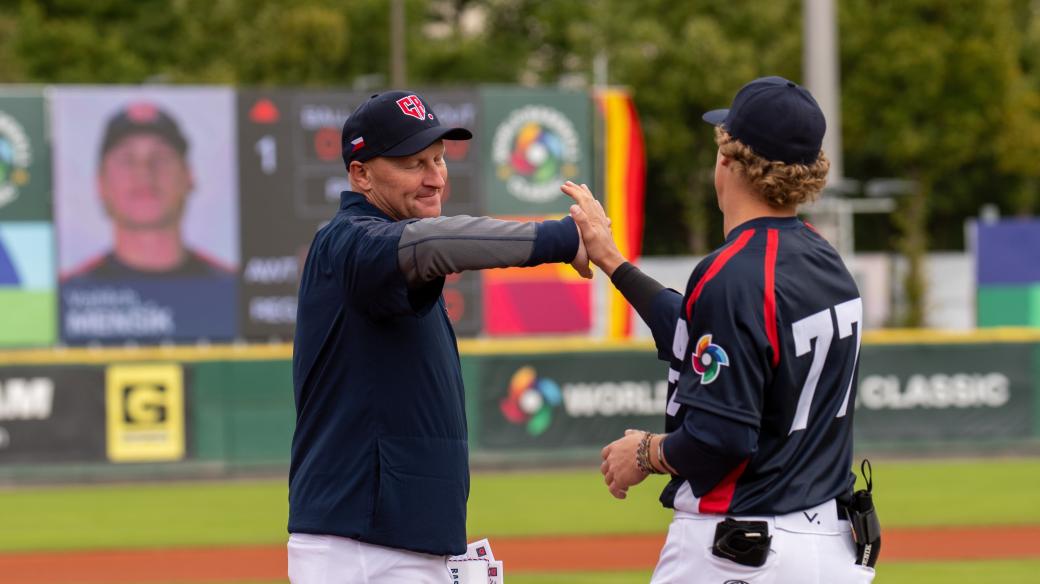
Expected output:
{"points": [[945, 393], [145, 413], [146, 212], [292, 174], [27, 273], [568, 400], [51, 414], [933, 393]]}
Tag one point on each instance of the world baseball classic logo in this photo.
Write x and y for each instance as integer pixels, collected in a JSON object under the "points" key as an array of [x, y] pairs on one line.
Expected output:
{"points": [[531, 400], [534, 150], [708, 360]]}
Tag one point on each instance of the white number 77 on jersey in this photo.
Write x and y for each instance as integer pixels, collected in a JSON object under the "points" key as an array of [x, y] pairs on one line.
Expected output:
{"points": [[820, 327]]}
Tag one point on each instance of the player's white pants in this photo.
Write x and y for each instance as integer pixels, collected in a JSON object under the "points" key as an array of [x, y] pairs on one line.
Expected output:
{"points": [[808, 547], [328, 559]]}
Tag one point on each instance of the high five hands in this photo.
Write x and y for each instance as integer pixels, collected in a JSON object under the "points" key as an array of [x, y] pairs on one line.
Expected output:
{"points": [[594, 226]]}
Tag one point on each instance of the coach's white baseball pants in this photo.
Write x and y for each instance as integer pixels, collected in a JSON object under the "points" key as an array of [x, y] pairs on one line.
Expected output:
{"points": [[328, 559], [808, 547]]}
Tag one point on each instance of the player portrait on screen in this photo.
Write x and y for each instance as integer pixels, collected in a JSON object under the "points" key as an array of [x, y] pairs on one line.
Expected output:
{"points": [[146, 212], [144, 181]]}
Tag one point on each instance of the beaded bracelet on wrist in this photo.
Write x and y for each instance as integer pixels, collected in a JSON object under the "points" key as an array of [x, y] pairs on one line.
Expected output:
{"points": [[643, 455]]}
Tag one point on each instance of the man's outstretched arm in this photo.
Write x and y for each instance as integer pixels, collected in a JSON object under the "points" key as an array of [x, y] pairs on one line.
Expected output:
{"points": [[433, 248]]}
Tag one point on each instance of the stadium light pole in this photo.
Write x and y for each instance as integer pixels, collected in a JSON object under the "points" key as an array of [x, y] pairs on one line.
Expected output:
{"points": [[820, 72], [822, 76], [398, 72]]}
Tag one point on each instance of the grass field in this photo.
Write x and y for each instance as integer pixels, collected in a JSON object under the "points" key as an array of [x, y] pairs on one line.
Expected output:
{"points": [[908, 493]]}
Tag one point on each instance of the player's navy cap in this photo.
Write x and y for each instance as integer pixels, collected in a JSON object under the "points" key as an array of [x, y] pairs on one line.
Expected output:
{"points": [[143, 117], [778, 119], [395, 123]]}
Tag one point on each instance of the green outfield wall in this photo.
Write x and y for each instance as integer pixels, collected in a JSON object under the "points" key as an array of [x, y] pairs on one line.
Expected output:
{"points": [[82, 414]]}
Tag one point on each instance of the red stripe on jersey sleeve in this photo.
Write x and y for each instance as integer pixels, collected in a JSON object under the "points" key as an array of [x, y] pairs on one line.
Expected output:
{"points": [[718, 499], [717, 265], [769, 303]]}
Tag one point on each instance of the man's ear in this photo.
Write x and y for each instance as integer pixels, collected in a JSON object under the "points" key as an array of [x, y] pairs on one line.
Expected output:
{"points": [[360, 179], [725, 160]]}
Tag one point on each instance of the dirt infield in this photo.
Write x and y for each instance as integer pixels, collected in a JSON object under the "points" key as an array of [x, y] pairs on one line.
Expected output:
{"points": [[535, 554]]}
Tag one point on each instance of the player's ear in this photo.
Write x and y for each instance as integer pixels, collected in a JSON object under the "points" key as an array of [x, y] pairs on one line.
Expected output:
{"points": [[360, 177]]}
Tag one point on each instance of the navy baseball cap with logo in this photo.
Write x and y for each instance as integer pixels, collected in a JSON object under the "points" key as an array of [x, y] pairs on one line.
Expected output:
{"points": [[395, 123], [143, 117], [778, 119]]}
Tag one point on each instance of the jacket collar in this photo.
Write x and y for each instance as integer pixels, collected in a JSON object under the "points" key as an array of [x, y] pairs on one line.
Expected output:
{"points": [[353, 203]]}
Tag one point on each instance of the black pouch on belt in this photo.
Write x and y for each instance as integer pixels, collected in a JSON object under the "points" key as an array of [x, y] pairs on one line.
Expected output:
{"points": [[744, 542], [866, 529]]}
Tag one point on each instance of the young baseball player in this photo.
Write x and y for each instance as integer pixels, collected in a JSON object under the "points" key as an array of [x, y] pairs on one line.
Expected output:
{"points": [[763, 348], [379, 473]]}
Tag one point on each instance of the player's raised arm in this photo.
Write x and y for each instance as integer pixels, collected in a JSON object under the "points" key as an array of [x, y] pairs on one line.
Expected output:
{"points": [[656, 305]]}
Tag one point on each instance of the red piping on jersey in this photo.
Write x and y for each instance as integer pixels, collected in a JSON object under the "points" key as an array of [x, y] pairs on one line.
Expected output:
{"points": [[717, 500], [716, 266], [769, 303]]}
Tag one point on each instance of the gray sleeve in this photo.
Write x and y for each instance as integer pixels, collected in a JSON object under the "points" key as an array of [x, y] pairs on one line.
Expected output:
{"points": [[433, 248]]}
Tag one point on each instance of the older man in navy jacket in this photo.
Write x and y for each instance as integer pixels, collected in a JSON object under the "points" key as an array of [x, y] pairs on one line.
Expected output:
{"points": [[379, 476]]}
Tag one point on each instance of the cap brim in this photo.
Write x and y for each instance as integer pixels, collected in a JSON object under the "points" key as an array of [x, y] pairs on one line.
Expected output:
{"points": [[420, 141], [716, 117]]}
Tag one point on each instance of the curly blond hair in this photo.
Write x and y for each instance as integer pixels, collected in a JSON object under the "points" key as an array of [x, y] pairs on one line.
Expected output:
{"points": [[781, 185]]}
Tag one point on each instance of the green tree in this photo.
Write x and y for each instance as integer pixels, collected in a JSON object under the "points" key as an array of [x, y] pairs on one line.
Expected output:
{"points": [[925, 96], [1018, 148], [253, 42]]}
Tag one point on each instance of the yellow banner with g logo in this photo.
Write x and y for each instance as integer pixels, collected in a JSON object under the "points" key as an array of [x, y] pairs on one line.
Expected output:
{"points": [[145, 412]]}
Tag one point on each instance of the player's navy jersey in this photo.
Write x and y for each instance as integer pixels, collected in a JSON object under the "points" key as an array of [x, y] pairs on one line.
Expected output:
{"points": [[768, 336]]}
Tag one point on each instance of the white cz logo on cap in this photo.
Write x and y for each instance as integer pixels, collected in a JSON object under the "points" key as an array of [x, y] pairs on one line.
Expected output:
{"points": [[412, 106]]}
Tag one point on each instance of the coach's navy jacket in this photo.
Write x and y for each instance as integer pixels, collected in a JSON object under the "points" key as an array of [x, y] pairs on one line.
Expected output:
{"points": [[379, 453]]}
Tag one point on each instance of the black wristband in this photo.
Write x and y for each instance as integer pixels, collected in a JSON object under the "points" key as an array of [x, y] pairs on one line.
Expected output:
{"points": [[638, 288]]}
